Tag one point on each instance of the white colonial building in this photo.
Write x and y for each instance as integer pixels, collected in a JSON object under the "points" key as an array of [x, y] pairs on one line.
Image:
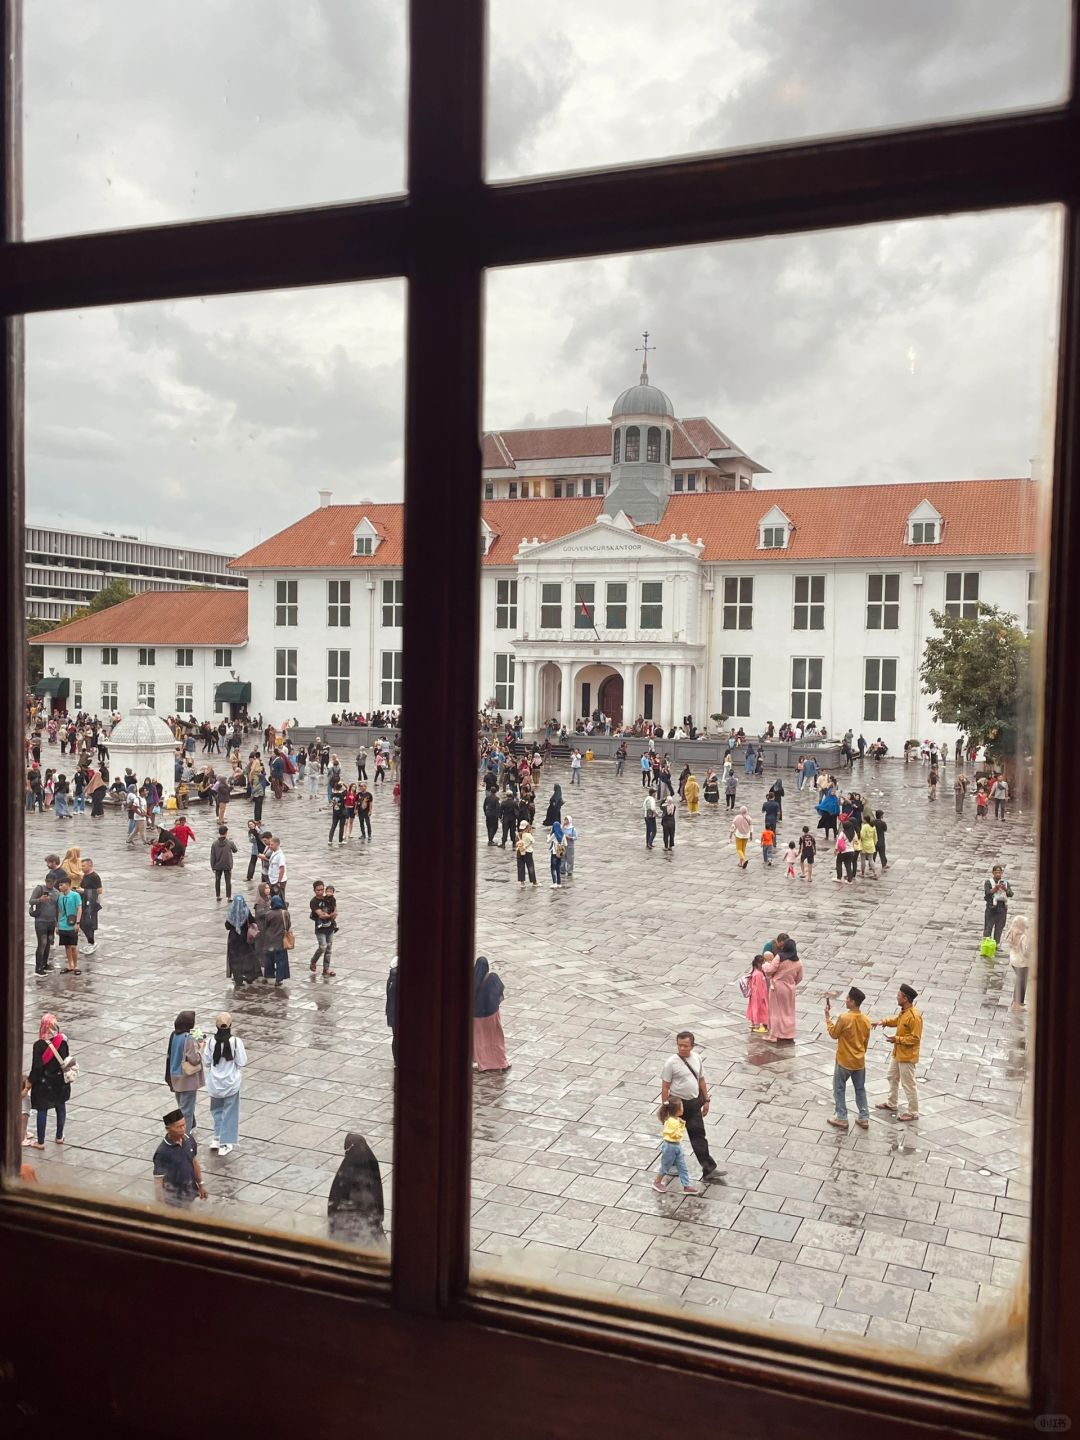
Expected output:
{"points": [[640, 579]]}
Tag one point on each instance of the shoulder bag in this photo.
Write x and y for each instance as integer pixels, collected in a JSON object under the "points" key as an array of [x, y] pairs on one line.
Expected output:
{"points": [[290, 938], [69, 1068]]}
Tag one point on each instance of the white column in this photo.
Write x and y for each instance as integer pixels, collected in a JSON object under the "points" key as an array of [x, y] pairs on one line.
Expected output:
{"points": [[679, 699], [566, 709], [524, 675], [666, 708], [629, 695]]}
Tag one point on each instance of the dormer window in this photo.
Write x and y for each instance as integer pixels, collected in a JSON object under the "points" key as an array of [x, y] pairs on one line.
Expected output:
{"points": [[366, 539], [615, 447], [773, 530], [633, 443], [924, 525]]}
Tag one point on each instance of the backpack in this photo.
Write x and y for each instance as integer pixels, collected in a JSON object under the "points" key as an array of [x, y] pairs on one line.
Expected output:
{"points": [[744, 984]]}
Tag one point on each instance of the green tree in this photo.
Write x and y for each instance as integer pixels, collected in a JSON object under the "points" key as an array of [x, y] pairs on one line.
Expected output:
{"points": [[978, 675], [34, 663], [108, 596]]}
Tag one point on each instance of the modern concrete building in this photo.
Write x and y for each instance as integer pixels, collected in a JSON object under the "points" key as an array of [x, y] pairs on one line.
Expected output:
{"points": [[66, 568]]}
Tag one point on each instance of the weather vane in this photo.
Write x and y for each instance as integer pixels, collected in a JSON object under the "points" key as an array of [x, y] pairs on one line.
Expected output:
{"points": [[645, 357]]}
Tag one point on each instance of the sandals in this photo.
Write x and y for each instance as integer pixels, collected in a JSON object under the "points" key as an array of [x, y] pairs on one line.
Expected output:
{"points": [[74, 970], [329, 972]]}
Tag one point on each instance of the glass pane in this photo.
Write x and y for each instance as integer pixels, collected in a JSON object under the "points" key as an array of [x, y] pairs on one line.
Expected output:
{"points": [[911, 1234], [571, 86], [136, 115], [163, 440]]}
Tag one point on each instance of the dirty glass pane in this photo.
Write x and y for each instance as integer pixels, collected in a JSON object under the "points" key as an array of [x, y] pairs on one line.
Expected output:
{"points": [[205, 624], [830, 393], [139, 115], [573, 86]]}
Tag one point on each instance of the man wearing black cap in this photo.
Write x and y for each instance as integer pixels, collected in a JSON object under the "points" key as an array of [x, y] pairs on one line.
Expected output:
{"points": [[851, 1031], [905, 1056], [177, 1176]]}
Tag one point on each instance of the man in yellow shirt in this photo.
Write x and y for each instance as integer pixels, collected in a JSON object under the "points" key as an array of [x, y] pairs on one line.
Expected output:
{"points": [[851, 1031], [908, 1025]]}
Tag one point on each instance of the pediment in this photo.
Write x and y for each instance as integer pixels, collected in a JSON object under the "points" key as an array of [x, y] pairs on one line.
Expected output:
{"points": [[597, 542]]}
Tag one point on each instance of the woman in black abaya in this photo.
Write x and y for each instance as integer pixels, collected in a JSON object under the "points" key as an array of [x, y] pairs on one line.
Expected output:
{"points": [[355, 1204]]}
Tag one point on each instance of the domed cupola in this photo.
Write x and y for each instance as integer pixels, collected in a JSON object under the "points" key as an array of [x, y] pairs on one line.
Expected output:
{"points": [[642, 420]]}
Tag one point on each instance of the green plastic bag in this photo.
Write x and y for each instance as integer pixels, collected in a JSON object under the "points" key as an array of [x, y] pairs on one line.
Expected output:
{"points": [[988, 947]]}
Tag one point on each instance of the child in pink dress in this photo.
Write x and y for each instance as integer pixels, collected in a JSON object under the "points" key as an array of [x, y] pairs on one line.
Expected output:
{"points": [[757, 1005]]}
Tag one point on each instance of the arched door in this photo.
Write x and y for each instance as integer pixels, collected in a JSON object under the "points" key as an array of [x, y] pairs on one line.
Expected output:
{"points": [[610, 698]]}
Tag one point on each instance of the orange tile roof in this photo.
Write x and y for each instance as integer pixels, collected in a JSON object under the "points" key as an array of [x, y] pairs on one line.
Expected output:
{"points": [[982, 517], [161, 617], [693, 438]]}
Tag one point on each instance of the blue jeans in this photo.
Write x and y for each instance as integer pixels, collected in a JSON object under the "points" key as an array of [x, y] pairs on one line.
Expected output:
{"points": [[672, 1158], [575, 777], [42, 1117], [650, 830], [79, 803], [839, 1086], [556, 868], [225, 1117], [185, 1101]]}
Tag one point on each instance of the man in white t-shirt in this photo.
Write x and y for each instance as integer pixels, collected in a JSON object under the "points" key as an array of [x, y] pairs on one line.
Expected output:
{"points": [[683, 1076], [277, 871]]}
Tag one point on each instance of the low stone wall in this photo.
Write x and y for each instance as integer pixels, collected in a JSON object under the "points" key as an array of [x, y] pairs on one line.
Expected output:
{"points": [[702, 754]]}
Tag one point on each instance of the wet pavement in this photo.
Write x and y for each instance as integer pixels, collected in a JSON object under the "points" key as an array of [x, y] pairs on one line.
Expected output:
{"points": [[901, 1233]]}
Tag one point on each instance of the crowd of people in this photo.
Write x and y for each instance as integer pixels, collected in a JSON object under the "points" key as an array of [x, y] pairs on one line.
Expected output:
{"points": [[261, 765]]}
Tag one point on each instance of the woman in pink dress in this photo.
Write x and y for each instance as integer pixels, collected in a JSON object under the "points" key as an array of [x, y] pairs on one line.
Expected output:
{"points": [[489, 1043], [784, 971]]}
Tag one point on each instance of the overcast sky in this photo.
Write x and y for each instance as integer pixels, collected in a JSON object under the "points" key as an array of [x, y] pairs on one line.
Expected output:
{"points": [[900, 352]]}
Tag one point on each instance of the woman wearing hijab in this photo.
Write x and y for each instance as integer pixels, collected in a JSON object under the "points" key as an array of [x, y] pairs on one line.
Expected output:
{"points": [[554, 810], [828, 809], [184, 1066], [742, 831], [72, 863], [354, 1207], [242, 962], [49, 1090], [489, 1042], [783, 971], [223, 1057], [275, 925], [692, 794]]}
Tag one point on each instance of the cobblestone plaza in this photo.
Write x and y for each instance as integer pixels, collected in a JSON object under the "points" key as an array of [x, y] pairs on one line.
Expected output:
{"points": [[899, 1233]]}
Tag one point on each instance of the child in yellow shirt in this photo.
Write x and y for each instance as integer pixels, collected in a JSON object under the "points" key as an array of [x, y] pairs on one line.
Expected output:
{"points": [[671, 1151]]}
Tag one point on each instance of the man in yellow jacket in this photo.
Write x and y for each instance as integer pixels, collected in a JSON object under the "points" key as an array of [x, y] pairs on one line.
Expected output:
{"points": [[851, 1031], [908, 1026]]}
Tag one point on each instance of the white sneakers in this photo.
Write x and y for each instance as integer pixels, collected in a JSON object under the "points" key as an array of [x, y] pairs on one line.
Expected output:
{"points": [[224, 1149]]}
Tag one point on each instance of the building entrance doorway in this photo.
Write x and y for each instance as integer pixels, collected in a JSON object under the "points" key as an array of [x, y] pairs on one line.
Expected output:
{"points": [[610, 698]]}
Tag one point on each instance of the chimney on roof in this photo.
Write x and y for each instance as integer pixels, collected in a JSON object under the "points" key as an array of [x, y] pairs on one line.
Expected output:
{"points": [[325, 497]]}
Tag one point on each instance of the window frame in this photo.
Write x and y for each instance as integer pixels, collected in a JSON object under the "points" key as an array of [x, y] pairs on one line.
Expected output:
{"points": [[882, 603], [739, 608], [507, 683], [737, 688], [74, 655], [177, 697], [337, 682], [285, 679], [395, 606], [612, 606], [551, 605], [879, 691], [654, 609], [442, 237], [287, 610], [224, 663], [185, 657], [806, 710], [506, 604], [339, 604], [393, 682], [808, 610], [584, 591], [965, 606], [147, 656]]}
